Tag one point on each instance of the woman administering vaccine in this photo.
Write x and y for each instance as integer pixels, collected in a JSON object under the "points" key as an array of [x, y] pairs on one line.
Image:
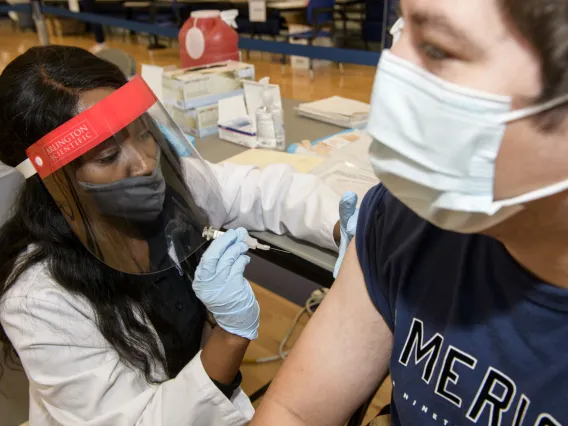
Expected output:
{"points": [[105, 280]]}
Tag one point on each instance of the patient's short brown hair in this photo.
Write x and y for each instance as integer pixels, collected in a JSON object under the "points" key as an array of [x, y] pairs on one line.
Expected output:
{"points": [[544, 24]]}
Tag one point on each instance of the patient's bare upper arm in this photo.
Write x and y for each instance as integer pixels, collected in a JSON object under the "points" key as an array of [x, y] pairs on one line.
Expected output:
{"points": [[339, 360]]}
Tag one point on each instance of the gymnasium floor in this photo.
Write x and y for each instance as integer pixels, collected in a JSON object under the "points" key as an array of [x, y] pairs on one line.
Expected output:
{"points": [[277, 313], [355, 82]]}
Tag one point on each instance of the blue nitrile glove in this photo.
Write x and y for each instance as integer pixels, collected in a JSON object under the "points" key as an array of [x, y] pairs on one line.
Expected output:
{"points": [[348, 214], [219, 283]]}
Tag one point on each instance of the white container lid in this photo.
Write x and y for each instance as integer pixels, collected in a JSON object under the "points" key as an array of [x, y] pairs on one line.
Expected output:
{"points": [[205, 14]]}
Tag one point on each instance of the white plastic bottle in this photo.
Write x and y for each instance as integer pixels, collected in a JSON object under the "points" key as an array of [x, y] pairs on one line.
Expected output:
{"points": [[270, 124]]}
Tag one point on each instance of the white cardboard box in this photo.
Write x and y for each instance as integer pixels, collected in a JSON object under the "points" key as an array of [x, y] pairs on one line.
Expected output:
{"points": [[241, 135], [237, 120], [198, 122], [235, 124], [198, 86]]}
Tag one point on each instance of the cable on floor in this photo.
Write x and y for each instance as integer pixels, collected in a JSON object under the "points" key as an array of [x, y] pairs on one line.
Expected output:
{"points": [[312, 303]]}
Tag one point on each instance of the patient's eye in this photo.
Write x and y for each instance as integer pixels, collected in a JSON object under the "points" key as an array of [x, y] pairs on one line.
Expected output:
{"points": [[433, 52]]}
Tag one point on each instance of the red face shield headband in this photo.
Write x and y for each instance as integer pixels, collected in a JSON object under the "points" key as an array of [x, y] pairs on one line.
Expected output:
{"points": [[88, 129]]}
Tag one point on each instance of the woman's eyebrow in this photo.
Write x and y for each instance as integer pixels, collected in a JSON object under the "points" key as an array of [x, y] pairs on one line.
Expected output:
{"points": [[427, 20], [103, 146]]}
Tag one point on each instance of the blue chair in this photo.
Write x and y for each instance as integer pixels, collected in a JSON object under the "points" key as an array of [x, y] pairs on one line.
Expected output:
{"points": [[319, 15]]}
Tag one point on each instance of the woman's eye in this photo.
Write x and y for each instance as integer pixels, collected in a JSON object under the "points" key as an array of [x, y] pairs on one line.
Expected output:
{"points": [[433, 52], [144, 135], [108, 159]]}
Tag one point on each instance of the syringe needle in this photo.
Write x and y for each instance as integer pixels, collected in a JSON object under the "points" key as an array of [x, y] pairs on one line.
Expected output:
{"points": [[280, 250]]}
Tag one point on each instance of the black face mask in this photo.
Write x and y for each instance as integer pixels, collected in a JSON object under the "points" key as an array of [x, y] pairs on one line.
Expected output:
{"points": [[137, 199]]}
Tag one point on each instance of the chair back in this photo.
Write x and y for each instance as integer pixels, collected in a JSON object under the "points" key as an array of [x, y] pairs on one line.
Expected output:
{"points": [[321, 18], [11, 182], [14, 387]]}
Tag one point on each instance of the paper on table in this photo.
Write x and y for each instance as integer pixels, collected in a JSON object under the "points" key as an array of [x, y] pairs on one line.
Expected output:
{"points": [[339, 143], [344, 175], [257, 10], [262, 158], [348, 168], [73, 5], [357, 150], [336, 110], [337, 105]]}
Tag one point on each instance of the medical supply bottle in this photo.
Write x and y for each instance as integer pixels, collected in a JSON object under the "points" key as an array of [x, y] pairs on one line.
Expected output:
{"points": [[270, 123], [205, 38]]}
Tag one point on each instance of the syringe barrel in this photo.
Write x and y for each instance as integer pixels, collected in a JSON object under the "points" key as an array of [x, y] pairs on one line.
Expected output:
{"points": [[211, 233]]}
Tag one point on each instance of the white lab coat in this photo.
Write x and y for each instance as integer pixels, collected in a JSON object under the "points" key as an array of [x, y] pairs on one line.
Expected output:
{"points": [[274, 199], [76, 378]]}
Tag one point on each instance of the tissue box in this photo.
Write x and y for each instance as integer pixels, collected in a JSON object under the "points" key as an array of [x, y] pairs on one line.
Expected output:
{"points": [[199, 122], [200, 86]]}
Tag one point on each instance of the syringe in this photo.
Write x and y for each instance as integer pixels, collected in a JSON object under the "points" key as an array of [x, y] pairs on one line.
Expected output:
{"points": [[211, 233]]}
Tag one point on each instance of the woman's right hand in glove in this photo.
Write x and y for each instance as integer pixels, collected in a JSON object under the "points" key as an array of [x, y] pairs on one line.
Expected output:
{"points": [[220, 284]]}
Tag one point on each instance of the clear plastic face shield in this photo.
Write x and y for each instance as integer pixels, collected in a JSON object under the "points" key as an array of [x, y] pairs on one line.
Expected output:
{"points": [[133, 189]]}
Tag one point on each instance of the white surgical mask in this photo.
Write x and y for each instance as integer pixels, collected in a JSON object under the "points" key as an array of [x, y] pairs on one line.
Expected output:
{"points": [[396, 30], [435, 146]]}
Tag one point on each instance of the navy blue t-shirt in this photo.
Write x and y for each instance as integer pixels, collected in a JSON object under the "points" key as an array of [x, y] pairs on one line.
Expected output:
{"points": [[477, 338]]}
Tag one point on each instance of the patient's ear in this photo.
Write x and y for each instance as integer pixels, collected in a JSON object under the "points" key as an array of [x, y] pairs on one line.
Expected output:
{"points": [[531, 156]]}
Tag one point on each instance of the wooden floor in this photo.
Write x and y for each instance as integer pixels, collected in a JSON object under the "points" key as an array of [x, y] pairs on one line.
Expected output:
{"points": [[355, 82], [276, 315]]}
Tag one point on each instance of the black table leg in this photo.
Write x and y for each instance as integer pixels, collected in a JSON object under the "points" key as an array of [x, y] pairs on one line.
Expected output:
{"points": [[260, 392], [153, 42]]}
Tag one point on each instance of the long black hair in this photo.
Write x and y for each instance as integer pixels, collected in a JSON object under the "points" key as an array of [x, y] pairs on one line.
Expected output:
{"points": [[39, 91]]}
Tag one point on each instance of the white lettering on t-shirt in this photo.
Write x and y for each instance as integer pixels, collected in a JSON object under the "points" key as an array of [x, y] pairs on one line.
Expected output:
{"points": [[448, 374], [488, 397], [429, 351], [496, 398]]}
